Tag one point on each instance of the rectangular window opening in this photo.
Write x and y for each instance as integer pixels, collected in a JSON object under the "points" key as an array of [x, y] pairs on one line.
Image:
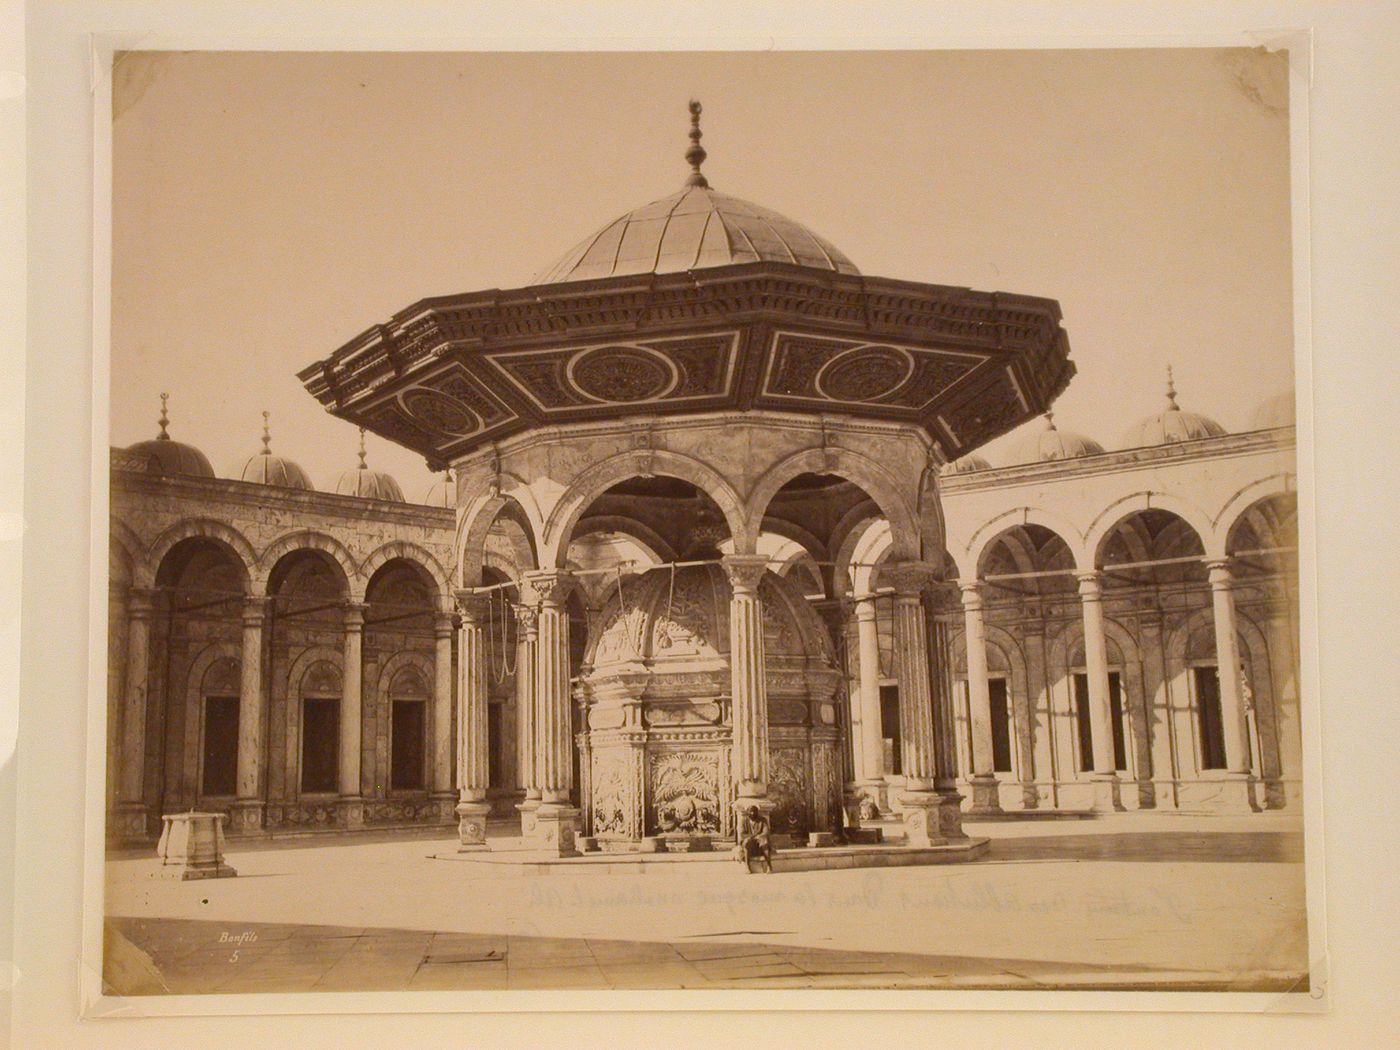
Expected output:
{"points": [[406, 735], [1001, 725], [320, 744], [220, 746], [1210, 718]]}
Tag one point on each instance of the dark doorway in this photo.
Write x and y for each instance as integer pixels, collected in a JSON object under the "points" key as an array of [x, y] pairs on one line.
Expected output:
{"points": [[1001, 725], [1210, 718], [320, 745], [1085, 725], [406, 734], [220, 746]]}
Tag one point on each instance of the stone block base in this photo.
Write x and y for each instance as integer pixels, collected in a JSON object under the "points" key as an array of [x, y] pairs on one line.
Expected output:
{"points": [[922, 820], [246, 818], [556, 827], [1238, 793], [130, 822], [471, 825], [1108, 795], [950, 816], [350, 812], [527, 811], [986, 796]]}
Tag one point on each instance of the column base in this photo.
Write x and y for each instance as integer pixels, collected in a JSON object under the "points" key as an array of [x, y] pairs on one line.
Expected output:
{"points": [[471, 825], [130, 821], [528, 810], [246, 817], [950, 816], [986, 796], [350, 812], [1232, 793], [1108, 796], [923, 819], [852, 802], [556, 828]]}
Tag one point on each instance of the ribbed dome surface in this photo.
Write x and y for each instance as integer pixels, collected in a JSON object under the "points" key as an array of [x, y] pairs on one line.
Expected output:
{"points": [[369, 484], [1172, 426], [1281, 410], [1052, 444], [266, 469], [694, 229], [163, 455], [967, 464]]}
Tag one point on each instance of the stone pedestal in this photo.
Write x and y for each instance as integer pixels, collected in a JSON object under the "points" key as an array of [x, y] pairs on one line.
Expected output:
{"points": [[471, 825], [528, 810], [923, 820], [351, 812], [556, 828], [1235, 793], [1108, 794], [129, 821], [986, 796], [193, 843], [950, 816]]}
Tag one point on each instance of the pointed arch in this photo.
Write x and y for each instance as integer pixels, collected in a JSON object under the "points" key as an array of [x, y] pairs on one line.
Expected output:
{"points": [[877, 483], [600, 477]]}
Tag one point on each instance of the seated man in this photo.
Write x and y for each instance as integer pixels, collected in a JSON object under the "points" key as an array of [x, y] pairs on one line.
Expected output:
{"points": [[755, 848]]}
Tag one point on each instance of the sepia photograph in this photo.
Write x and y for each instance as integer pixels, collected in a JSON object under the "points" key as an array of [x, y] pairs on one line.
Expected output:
{"points": [[652, 521]]}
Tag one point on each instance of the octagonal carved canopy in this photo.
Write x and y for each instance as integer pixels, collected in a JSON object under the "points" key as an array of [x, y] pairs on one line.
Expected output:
{"points": [[449, 374]]}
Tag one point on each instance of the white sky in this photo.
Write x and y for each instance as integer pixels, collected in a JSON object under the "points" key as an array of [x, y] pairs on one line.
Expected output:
{"points": [[269, 207]]}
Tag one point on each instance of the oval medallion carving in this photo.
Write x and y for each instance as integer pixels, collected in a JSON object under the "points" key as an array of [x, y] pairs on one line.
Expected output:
{"points": [[439, 412], [622, 374], [865, 374]]}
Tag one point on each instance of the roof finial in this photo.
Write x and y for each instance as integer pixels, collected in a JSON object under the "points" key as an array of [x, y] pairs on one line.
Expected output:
{"points": [[1049, 419], [696, 154], [363, 465], [267, 434], [164, 418], [1171, 391]]}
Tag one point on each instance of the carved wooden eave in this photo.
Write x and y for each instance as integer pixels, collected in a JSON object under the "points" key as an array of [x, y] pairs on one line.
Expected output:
{"points": [[450, 374]]}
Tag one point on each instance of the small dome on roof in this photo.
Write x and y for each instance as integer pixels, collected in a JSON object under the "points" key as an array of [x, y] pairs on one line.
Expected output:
{"points": [[1052, 444], [966, 464], [264, 468], [163, 455], [364, 483], [1173, 425], [443, 492], [1281, 410], [694, 229]]}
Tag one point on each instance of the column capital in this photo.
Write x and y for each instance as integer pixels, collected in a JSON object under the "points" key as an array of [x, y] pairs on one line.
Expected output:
{"points": [[473, 605], [547, 586], [1090, 584], [744, 571], [1220, 572], [910, 577], [528, 618], [255, 609], [971, 594], [140, 603], [442, 624], [354, 615], [865, 607]]}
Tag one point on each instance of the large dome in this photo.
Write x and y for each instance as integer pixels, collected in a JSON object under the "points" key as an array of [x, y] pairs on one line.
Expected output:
{"points": [[694, 229], [263, 468]]}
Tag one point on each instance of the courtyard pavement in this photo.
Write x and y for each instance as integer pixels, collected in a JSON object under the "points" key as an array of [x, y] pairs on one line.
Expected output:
{"points": [[1129, 901]]}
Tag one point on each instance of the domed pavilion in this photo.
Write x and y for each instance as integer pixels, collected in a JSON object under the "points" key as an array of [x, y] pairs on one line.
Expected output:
{"points": [[665, 451]]}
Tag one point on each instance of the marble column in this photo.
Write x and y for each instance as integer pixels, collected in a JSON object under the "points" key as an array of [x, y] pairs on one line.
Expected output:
{"points": [[473, 741], [130, 816], [919, 749], [940, 660], [441, 781], [871, 743], [1234, 728], [1107, 796], [556, 819], [986, 798], [747, 683], [247, 812], [526, 654], [351, 803]]}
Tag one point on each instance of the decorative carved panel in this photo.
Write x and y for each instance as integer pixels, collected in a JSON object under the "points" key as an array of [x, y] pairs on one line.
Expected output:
{"points": [[787, 788], [616, 791], [839, 371], [685, 792]]}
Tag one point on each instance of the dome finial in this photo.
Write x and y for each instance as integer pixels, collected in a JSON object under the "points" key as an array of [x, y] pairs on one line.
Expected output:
{"points": [[267, 434], [164, 418], [363, 465], [1171, 391], [696, 153]]}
